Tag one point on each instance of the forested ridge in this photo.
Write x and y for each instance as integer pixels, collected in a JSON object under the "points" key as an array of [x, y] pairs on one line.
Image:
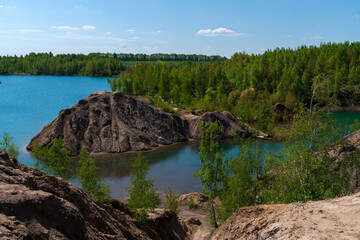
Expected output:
{"points": [[250, 85], [93, 64], [247, 85]]}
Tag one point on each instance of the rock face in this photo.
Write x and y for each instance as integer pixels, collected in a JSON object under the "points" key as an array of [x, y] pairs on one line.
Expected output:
{"points": [[352, 147], [328, 219], [231, 125], [108, 122], [34, 205]]}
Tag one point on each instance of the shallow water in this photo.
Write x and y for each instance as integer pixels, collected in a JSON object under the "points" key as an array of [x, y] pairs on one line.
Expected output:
{"points": [[28, 103]]}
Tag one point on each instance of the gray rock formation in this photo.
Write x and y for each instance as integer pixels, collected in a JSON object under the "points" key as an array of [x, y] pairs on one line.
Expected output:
{"points": [[108, 122], [231, 125]]}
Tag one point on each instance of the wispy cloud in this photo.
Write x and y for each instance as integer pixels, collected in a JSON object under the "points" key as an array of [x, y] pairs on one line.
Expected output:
{"points": [[87, 27], [219, 32], [357, 15], [65, 28], [7, 7], [135, 38], [28, 31], [108, 33], [305, 36], [317, 37], [131, 30]]}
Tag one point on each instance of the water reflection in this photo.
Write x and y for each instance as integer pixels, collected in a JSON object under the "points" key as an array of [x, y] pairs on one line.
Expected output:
{"points": [[169, 165]]}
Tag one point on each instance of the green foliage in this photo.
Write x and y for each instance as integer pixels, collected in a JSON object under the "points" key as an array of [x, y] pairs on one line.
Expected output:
{"points": [[93, 64], [55, 159], [191, 204], [142, 195], [113, 84], [250, 85], [172, 202], [8, 146], [306, 169], [90, 181], [355, 126], [242, 183], [212, 173]]}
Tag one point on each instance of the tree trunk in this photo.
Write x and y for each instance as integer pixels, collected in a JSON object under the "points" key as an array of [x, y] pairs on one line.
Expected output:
{"points": [[213, 213]]}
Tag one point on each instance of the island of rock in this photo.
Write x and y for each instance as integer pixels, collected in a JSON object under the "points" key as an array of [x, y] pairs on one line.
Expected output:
{"points": [[112, 122]]}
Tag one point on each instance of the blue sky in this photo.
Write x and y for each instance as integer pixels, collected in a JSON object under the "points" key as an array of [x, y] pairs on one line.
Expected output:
{"points": [[168, 26]]}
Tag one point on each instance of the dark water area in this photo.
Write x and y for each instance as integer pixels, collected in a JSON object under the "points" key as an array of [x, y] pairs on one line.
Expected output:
{"points": [[28, 103], [170, 165]]}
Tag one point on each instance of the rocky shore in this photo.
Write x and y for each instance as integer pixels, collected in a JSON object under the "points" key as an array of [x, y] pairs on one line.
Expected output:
{"points": [[112, 122]]}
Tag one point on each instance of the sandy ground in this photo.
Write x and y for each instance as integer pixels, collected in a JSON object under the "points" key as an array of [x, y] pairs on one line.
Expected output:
{"points": [[328, 219]]}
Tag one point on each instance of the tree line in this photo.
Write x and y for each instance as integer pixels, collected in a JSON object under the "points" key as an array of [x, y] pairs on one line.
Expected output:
{"points": [[250, 85], [159, 57], [93, 64]]}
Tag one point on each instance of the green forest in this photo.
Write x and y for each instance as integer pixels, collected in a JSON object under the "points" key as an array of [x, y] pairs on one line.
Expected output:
{"points": [[93, 64], [247, 85], [251, 85]]}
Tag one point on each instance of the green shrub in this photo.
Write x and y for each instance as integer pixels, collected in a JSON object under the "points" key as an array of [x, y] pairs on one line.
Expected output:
{"points": [[142, 195], [90, 181], [8, 146], [172, 202], [55, 159], [192, 204]]}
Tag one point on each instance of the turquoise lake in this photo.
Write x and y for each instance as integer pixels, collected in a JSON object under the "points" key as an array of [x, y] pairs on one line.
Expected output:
{"points": [[28, 103]]}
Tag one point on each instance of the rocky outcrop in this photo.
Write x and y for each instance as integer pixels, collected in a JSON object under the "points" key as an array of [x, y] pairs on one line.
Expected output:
{"points": [[111, 122], [34, 205], [231, 125], [328, 219], [107, 122], [352, 146]]}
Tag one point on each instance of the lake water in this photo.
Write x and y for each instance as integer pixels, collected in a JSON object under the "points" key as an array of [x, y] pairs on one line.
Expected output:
{"points": [[28, 103]]}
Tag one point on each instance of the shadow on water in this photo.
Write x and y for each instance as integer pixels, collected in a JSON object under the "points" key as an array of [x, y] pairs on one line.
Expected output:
{"points": [[174, 164]]}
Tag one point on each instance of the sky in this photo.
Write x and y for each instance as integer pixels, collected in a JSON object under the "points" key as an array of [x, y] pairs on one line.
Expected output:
{"points": [[210, 27]]}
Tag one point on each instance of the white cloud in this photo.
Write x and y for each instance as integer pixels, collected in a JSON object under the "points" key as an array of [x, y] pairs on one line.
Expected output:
{"points": [[135, 38], [131, 30], [29, 30], [316, 37], [66, 28], [87, 27], [108, 33], [158, 31], [219, 32], [305, 36], [2, 6]]}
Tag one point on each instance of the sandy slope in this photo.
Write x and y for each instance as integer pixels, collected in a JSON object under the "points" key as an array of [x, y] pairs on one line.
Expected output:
{"points": [[328, 219]]}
